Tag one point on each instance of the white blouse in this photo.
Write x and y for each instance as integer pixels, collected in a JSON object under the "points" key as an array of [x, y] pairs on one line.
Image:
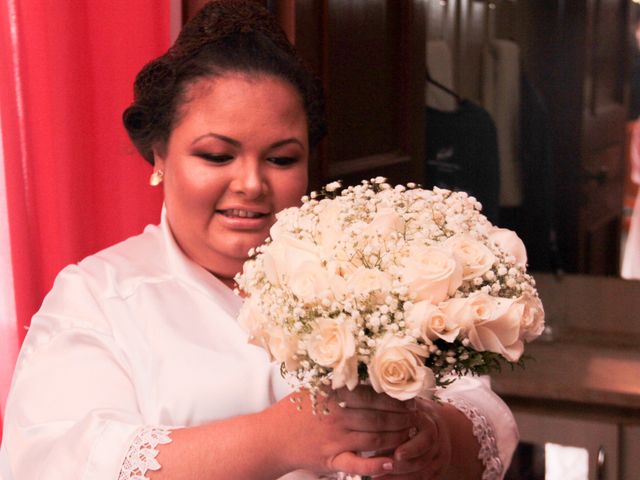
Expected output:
{"points": [[136, 340]]}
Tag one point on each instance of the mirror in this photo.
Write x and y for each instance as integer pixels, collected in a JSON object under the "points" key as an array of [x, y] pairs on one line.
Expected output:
{"points": [[555, 77]]}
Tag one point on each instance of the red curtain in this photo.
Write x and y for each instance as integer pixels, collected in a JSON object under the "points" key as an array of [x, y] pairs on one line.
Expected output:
{"points": [[74, 183]]}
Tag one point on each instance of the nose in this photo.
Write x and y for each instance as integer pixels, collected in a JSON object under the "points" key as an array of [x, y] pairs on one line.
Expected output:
{"points": [[249, 180]]}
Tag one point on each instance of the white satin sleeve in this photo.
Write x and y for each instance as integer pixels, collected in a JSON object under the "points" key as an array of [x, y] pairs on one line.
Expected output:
{"points": [[493, 423], [72, 411]]}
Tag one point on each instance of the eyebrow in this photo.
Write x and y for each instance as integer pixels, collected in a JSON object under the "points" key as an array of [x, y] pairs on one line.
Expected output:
{"points": [[236, 143]]}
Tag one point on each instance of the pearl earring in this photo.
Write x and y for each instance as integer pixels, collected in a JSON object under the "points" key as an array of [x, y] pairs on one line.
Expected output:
{"points": [[156, 178]]}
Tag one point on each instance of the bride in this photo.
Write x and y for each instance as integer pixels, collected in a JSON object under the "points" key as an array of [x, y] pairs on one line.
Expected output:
{"points": [[135, 367]]}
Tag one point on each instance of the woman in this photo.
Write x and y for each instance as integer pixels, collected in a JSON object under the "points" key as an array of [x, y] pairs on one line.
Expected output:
{"points": [[135, 367]]}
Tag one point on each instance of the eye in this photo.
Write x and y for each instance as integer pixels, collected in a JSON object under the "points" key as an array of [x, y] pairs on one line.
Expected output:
{"points": [[282, 161], [214, 158]]}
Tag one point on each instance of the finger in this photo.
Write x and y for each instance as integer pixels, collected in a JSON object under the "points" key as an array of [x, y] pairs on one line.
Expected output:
{"points": [[375, 421], [355, 464], [425, 465], [366, 397], [425, 439], [374, 442]]}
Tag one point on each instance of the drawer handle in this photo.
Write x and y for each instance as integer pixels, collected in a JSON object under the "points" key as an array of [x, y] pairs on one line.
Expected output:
{"points": [[601, 473]]}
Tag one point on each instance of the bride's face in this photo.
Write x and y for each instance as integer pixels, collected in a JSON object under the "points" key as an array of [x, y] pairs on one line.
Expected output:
{"points": [[237, 156]]}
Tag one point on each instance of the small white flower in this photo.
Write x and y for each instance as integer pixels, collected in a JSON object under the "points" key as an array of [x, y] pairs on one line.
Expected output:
{"points": [[333, 186]]}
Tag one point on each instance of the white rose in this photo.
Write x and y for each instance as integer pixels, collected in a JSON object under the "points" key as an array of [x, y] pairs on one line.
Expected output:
{"points": [[502, 334], [385, 222], [532, 323], [310, 282], [363, 281], [279, 228], [252, 320], [476, 257], [397, 368], [283, 256], [282, 345], [468, 311], [490, 323], [432, 273], [509, 242], [431, 322], [332, 344]]}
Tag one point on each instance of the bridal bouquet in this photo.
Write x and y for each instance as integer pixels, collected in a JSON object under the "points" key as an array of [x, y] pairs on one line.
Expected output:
{"points": [[398, 287]]}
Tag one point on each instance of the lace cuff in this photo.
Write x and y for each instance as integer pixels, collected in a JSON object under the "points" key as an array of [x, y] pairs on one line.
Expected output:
{"points": [[142, 453], [483, 431]]}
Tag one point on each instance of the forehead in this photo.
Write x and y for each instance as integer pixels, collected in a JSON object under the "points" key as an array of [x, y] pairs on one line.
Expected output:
{"points": [[234, 88], [241, 105]]}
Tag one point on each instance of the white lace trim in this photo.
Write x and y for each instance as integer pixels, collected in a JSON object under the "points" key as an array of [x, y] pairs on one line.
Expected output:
{"points": [[483, 431], [142, 453]]}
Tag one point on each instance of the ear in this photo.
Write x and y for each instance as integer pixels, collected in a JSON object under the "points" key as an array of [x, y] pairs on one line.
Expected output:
{"points": [[158, 160]]}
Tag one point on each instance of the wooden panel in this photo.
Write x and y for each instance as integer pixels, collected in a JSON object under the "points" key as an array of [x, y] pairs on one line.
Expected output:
{"points": [[361, 78], [373, 95], [370, 55], [630, 460]]}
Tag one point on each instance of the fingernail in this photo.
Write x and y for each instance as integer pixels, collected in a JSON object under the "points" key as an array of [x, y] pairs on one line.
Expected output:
{"points": [[387, 466]]}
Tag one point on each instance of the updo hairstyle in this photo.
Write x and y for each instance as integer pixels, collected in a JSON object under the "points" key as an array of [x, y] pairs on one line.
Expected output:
{"points": [[225, 36]]}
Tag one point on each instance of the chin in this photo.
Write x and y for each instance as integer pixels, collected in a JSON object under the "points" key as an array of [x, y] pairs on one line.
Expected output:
{"points": [[240, 249]]}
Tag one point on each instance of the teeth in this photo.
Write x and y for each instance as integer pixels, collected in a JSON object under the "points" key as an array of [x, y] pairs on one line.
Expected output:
{"points": [[242, 213]]}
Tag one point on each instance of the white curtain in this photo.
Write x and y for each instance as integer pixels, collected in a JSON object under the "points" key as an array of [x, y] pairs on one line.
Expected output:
{"points": [[8, 323]]}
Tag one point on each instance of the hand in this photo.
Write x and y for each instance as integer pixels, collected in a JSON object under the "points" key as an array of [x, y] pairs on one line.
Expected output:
{"points": [[358, 421], [427, 454]]}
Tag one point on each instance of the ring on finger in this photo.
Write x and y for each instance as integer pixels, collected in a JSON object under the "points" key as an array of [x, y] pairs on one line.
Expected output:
{"points": [[413, 431]]}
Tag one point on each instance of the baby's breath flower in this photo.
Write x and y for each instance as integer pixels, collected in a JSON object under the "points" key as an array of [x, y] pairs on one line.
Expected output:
{"points": [[333, 186], [347, 270]]}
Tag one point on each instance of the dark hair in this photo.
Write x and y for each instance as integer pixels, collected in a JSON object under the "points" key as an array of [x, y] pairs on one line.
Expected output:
{"points": [[224, 36]]}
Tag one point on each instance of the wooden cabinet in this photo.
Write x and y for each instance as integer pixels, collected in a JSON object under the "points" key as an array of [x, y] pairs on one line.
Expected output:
{"points": [[599, 440], [609, 441]]}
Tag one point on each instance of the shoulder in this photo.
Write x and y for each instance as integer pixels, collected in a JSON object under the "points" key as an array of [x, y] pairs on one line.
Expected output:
{"points": [[117, 270], [84, 294]]}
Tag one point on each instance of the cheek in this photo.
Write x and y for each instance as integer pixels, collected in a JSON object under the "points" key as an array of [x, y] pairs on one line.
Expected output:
{"points": [[194, 188], [291, 188]]}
